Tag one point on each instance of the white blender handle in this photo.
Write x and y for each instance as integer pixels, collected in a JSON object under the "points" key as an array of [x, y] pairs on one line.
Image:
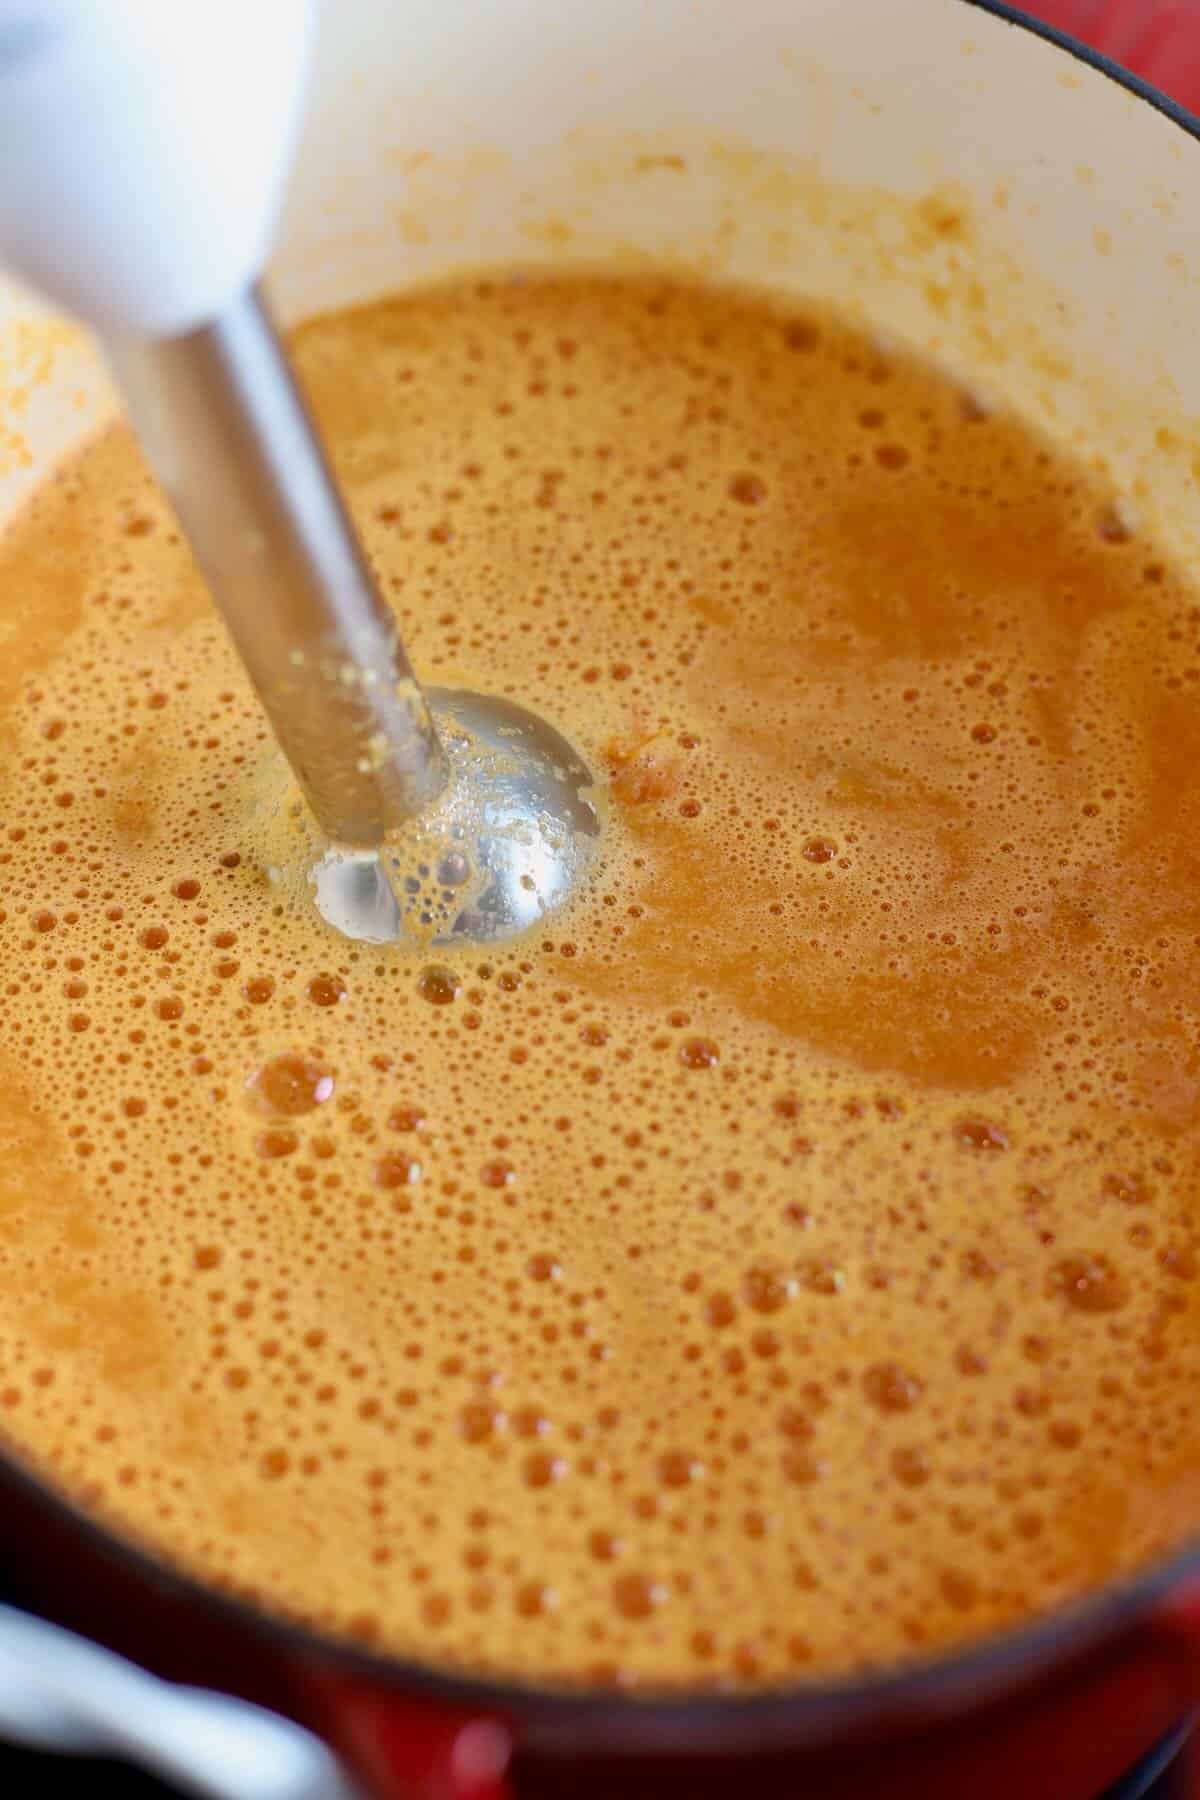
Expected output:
{"points": [[144, 146], [60, 1693]]}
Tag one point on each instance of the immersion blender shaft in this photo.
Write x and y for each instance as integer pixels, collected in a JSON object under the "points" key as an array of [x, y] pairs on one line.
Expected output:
{"points": [[231, 439]]}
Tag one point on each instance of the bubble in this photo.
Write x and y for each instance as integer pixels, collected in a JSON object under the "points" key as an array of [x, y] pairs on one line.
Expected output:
{"points": [[802, 335], [534, 1598], [720, 1310], [326, 990], [677, 1468], [530, 1422], [1128, 1189], [768, 1290], [818, 850], [276, 1142], [478, 1420], [542, 1467], [794, 1422], [543, 1268], [890, 1388], [438, 985], [1089, 1283], [637, 1596], [436, 1609], [981, 1135], [699, 1053], [747, 490], [395, 1170], [959, 1589], [290, 1085], [823, 1277], [910, 1466], [802, 1467]]}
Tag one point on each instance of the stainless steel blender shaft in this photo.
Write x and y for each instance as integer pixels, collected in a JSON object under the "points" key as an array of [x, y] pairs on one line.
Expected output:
{"points": [[231, 439]]}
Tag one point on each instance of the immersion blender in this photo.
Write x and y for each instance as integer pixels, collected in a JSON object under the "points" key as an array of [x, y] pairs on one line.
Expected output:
{"points": [[144, 148]]}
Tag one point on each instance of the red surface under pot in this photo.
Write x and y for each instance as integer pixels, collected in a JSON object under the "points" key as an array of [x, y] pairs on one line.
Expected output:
{"points": [[1156, 39]]}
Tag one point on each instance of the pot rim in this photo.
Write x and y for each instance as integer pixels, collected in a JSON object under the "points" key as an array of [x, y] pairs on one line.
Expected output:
{"points": [[919, 1691]]}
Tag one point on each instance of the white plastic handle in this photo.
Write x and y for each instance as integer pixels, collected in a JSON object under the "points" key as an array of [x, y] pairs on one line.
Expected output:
{"points": [[144, 146], [60, 1692]]}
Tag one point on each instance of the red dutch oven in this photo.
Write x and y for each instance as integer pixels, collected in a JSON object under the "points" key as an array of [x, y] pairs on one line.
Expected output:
{"points": [[503, 133]]}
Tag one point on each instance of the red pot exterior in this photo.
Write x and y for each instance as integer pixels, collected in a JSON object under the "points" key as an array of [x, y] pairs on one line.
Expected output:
{"points": [[1069, 1741]]}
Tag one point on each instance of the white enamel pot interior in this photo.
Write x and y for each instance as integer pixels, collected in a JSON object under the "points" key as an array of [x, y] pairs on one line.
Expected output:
{"points": [[931, 166]]}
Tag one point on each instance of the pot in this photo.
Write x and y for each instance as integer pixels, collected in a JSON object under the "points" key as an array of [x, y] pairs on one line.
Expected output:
{"points": [[1003, 202]]}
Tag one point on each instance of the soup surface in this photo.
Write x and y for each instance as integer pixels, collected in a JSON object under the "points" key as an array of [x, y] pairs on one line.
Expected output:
{"points": [[781, 1263]]}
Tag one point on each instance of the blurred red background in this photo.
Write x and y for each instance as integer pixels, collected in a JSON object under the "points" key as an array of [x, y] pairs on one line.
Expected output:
{"points": [[1157, 39]]}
